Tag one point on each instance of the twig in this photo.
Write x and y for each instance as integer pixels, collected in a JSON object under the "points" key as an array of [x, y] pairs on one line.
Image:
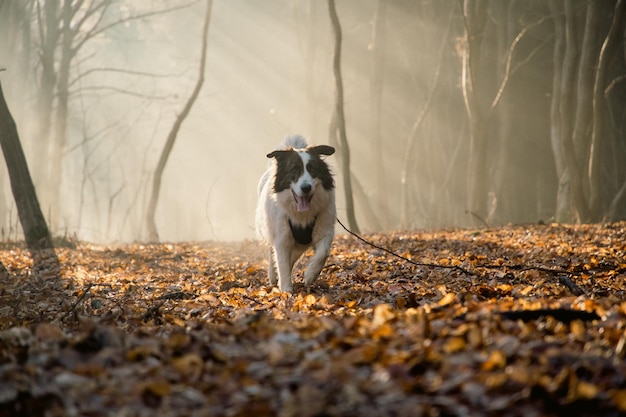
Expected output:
{"points": [[479, 218], [564, 315], [177, 295], [509, 58], [563, 275], [607, 90], [272, 305], [521, 267], [571, 285], [152, 311], [80, 299]]}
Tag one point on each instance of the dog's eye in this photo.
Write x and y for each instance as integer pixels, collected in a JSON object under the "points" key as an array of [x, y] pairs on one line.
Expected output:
{"points": [[316, 167], [295, 169]]}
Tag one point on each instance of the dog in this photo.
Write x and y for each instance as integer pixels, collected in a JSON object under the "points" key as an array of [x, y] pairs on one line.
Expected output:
{"points": [[296, 209]]}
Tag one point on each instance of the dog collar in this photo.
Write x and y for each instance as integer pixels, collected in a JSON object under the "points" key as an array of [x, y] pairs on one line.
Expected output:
{"points": [[302, 234]]}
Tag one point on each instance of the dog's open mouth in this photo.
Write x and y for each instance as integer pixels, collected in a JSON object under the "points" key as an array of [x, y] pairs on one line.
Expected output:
{"points": [[303, 202]]}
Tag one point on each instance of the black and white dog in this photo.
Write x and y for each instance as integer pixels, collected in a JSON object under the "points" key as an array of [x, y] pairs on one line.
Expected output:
{"points": [[296, 209]]}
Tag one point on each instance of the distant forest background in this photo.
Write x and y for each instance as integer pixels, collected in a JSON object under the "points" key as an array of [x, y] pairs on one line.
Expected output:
{"points": [[457, 113]]}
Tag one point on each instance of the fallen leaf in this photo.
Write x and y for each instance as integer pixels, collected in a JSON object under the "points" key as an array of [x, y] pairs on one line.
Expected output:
{"points": [[382, 314], [447, 299], [375, 335], [454, 344], [496, 360], [189, 365]]}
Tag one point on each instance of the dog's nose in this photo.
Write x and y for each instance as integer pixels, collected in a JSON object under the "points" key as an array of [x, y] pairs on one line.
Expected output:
{"points": [[306, 188]]}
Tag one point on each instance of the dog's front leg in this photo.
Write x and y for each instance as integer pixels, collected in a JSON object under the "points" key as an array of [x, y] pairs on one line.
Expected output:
{"points": [[271, 271], [322, 250], [283, 265]]}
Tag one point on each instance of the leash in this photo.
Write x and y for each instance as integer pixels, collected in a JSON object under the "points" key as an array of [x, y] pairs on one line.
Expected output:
{"points": [[562, 275], [404, 258]]}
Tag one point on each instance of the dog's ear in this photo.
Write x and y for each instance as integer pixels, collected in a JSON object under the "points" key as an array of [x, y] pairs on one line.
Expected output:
{"points": [[278, 154], [321, 150]]}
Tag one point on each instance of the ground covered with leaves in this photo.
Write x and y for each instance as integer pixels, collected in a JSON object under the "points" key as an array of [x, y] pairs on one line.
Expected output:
{"points": [[525, 320]]}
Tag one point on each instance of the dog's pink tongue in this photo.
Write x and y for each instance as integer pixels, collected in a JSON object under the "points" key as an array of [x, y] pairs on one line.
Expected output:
{"points": [[303, 203]]}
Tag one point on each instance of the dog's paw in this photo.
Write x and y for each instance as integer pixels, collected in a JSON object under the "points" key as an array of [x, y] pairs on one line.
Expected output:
{"points": [[286, 288], [285, 285], [309, 279], [318, 285]]}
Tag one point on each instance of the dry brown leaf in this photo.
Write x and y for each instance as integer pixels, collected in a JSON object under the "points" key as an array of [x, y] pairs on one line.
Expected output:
{"points": [[618, 397], [495, 360], [189, 365], [372, 336], [447, 299], [454, 344], [382, 314]]}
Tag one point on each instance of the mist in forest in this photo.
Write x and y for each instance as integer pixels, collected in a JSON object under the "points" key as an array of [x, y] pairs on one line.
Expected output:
{"points": [[429, 148]]}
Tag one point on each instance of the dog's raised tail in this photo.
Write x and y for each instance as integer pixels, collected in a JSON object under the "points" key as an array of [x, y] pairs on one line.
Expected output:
{"points": [[295, 141]]}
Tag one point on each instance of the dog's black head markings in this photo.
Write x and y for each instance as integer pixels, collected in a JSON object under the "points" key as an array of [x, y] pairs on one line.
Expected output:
{"points": [[301, 170], [290, 167]]}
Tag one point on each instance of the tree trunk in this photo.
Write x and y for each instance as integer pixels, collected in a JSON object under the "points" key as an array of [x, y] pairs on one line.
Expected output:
{"points": [[376, 98], [341, 120], [584, 89], [33, 222], [506, 184], [566, 113], [607, 53], [153, 234], [406, 205], [565, 109], [474, 16], [48, 39], [563, 195], [310, 70], [58, 139]]}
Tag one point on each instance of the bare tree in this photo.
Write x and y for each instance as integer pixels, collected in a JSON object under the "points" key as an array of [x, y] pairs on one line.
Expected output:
{"points": [[36, 231], [407, 174], [341, 118], [607, 53], [379, 41], [153, 234], [61, 30], [579, 114], [563, 194], [474, 19]]}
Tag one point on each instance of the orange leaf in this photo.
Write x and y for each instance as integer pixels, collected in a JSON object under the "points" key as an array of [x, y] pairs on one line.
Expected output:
{"points": [[496, 360], [189, 365], [157, 388], [454, 344], [618, 397], [447, 299], [363, 354], [383, 331], [382, 314], [309, 300]]}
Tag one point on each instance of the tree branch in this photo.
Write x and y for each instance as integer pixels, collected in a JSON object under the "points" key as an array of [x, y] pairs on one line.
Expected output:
{"points": [[509, 58]]}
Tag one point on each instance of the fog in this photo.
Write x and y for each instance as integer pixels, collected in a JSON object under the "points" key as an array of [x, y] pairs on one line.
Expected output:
{"points": [[269, 74]]}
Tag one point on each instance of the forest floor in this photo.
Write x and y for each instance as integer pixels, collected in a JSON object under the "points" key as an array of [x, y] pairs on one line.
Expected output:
{"points": [[519, 320]]}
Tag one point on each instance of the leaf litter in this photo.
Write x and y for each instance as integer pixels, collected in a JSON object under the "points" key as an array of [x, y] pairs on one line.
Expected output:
{"points": [[532, 322]]}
